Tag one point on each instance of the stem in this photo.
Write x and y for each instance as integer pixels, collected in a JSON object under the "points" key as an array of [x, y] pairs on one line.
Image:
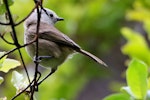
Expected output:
{"points": [[14, 37], [35, 85]]}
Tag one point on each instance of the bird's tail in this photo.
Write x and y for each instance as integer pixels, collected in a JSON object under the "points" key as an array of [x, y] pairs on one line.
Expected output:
{"points": [[96, 59]]}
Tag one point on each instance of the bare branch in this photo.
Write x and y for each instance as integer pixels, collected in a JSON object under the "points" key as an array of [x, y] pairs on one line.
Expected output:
{"points": [[26, 16], [35, 85], [19, 47], [2, 36], [4, 23], [52, 71], [22, 91]]}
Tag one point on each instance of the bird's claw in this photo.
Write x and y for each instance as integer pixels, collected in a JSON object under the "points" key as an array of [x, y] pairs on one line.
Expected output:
{"points": [[39, 58]]}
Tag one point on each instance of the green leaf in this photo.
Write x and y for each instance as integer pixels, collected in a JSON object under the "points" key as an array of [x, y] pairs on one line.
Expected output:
{"points": [[135, 40], [2, 6], [117, 96], [9, 64], [3, 59], [136, 74], [1, 80]]}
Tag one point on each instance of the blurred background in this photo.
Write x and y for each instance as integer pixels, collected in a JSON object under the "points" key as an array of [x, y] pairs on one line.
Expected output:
{"points": [[98, 26]]}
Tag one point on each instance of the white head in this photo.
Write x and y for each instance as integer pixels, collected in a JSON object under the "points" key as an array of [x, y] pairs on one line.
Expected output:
{"points": [[47, 16]]}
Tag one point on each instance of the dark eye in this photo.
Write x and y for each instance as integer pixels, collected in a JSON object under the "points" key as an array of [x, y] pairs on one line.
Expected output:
{"points": [[51, 15]]}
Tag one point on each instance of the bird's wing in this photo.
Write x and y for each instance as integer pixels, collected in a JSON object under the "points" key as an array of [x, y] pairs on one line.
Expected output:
{"points": [[49, 32]]}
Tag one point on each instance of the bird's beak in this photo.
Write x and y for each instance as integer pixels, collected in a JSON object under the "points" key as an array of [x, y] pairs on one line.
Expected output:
{"points": [[60, 19]]}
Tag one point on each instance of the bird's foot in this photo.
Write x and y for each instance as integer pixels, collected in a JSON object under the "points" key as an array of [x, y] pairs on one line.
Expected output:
{"points": [[39, 58]]}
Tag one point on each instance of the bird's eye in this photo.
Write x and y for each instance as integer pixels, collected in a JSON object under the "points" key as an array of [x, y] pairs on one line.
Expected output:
{"points": [[51, 15]]}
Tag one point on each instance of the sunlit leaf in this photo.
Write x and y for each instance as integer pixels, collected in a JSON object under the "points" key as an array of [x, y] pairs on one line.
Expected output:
{"points": [[117, 96], [136, 46], [9, 64], [141, 14], [2, 60], [19, 81], [4, 98], [137, 78], [1, 80]]}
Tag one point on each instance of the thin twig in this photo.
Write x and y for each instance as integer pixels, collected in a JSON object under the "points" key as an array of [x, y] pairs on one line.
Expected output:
{"points": [[2, 36], [32, 80], [35, 86], [16, 24], [19, 47], [2, 23], [14, 36], [26, 16], [30, 84], [52, 71]]}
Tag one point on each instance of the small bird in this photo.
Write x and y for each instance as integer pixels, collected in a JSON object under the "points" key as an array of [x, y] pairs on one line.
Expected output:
{"points": [[53, 46]]}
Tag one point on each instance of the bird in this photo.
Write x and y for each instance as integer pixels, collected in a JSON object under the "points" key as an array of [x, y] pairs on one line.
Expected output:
{"points": [[54, 46]]}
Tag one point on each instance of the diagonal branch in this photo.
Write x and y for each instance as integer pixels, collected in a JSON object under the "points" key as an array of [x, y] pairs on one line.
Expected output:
{"points": [[4, 23], [2, 36], [35, 85], [26, 16], [19, 47], [30, 84]]}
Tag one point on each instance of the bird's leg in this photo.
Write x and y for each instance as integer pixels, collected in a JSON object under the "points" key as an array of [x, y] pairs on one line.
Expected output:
{"points": [[52, 71], [39, 58]]}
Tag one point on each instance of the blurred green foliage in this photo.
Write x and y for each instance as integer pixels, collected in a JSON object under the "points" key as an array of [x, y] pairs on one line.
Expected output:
{"points": [[136, 40], [137, 48], [137, 84]]}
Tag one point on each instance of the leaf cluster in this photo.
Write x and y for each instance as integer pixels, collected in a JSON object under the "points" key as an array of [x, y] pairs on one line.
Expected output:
{"points": [[137, 48]]}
